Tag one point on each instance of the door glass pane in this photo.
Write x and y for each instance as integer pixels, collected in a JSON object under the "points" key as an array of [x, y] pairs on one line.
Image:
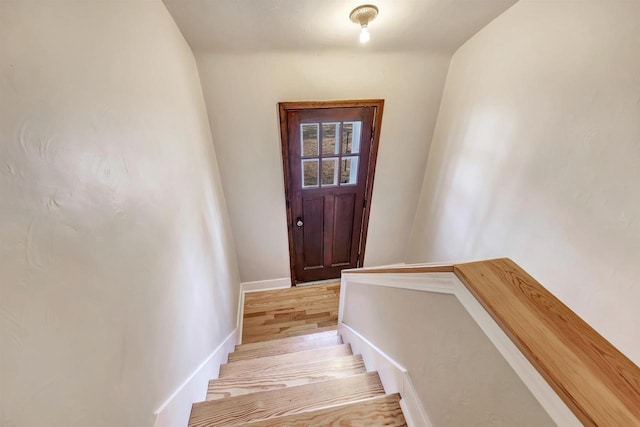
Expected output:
{"points": [[309, 138], [309, 173], [351, 137], [330, 143], [349, 170], [330, 171]]}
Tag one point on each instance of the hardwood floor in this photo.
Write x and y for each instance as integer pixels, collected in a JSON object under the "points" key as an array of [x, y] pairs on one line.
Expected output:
{"points": [[293, 369], [290, 312]]}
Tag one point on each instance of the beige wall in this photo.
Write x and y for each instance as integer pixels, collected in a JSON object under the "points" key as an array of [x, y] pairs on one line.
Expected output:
{"points": [[536, 156], [117, 271], [460, 377], [242, 92]]}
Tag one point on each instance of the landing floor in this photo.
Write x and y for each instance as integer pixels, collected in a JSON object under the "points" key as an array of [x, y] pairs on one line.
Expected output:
{"points": [[289, 312]]}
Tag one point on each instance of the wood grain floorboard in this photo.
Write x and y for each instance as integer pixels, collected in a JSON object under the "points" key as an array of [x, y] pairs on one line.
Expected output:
{"points": [[277, 349], [272, 363], [374, 412], [306, 319], [264, 327], [327, 289], [287, 376], [293, 293], [302, 308], [261, 338], [289, 340], [256, 324], [267, 404], [285, 306], [292, 329], [287, 312]]}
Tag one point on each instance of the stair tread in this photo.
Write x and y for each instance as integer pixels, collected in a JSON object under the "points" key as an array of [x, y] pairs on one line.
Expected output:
{"points": [[283, 348], [373, 412], [267, 404], [289, 340], [273, 363], [292, 375], [273, 335]]}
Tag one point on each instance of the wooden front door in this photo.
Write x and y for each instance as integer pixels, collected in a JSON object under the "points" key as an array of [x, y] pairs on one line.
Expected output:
{"points": [[329, 153]]}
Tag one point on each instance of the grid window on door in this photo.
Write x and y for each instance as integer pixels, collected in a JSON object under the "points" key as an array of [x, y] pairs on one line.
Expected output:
{"points": [[330, 153]]}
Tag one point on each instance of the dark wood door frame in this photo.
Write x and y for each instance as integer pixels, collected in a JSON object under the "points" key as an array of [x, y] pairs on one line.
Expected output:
{"points": [[284, 109]]}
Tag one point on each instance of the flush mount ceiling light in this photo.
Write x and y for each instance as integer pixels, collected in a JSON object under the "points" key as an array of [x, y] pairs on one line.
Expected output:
{"points": [[362, 15]]}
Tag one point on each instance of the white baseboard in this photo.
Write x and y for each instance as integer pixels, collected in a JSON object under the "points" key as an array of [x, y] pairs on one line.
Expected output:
{"points": [[394, 377], [265, 285], [175, 411]]}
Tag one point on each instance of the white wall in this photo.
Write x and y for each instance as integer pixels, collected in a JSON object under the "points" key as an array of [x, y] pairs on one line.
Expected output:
{"points": [[459, 375], [536, 156], [242, 92], [117, 267]]}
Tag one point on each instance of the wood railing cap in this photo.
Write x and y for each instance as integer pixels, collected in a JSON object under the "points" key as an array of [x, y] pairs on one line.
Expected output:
{"points": [[594, 379]]}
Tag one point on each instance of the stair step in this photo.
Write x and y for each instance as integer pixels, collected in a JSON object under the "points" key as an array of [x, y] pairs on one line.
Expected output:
{"points": [[267, 404], [373, 412], [282, 348], [290, 332], [273, 363], [290, 340], [287, 376]]}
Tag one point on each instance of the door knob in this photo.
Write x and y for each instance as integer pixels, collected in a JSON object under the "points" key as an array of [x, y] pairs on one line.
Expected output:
{"points": [[299, 222]]}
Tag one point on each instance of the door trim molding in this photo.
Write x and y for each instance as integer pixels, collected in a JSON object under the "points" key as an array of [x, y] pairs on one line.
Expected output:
{"points": [[283, 109]]}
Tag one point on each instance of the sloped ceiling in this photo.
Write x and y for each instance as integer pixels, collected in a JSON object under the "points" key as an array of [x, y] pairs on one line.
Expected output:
{"points": [[316, 25]]}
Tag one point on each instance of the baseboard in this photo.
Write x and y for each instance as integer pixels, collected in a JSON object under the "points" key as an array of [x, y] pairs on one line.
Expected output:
{"points": [[394, 377], [265, 285], [175, 411]]}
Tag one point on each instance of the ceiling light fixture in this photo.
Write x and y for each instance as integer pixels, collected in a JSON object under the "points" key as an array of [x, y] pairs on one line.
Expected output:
{"points": [[362, 15]]}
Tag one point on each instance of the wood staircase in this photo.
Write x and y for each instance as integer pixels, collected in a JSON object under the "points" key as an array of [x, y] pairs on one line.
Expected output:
{"points": [[305, 380]]}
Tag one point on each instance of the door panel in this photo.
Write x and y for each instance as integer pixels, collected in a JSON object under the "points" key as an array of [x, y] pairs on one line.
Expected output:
{"points": [[327, 154], [343, 214], [313, 233]]}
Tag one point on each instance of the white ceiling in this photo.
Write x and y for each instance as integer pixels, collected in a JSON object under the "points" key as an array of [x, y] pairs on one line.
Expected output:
{"points": [[316, 25]]}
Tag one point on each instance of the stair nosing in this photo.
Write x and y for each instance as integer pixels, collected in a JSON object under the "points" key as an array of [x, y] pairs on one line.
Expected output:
{"points": [[284, 348], [263, 396], [293, 339], [249, 362], [291, 366], [245, 384], [396, 396]]}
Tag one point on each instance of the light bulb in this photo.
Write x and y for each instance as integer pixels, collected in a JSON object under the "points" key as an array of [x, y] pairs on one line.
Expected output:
{"points": [[364, 34]]}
